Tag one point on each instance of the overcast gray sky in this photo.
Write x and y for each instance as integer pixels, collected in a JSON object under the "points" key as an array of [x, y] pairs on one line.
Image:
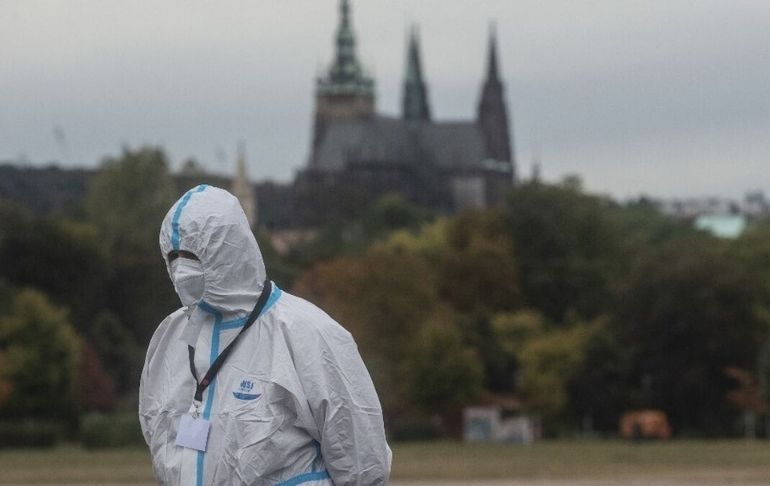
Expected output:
{"points": [[665, 97]]}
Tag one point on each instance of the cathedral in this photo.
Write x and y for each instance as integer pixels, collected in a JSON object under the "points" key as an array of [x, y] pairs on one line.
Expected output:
{"points": [[361, 154]]}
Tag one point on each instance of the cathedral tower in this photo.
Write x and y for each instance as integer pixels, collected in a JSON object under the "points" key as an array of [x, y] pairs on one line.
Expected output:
{"points": [[345, 91], [492, 113], [415, 97]]}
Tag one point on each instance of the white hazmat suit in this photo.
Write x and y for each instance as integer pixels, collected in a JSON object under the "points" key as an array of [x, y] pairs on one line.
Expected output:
{"points": [[293, 404]]}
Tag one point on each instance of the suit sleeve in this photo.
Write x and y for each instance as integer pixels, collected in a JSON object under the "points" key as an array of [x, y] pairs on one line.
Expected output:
{"points": [[147, 398], [345, 408]]}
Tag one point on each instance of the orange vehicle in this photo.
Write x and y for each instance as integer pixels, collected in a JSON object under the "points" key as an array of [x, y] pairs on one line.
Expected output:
{"points": [[645, 424]]}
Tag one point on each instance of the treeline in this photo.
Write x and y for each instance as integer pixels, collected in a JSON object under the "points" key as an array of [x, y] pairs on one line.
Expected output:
{"points": [[578, 306]]}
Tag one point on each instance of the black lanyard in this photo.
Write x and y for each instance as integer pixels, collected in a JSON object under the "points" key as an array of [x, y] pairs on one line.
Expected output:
{"points": [[267, 288]]}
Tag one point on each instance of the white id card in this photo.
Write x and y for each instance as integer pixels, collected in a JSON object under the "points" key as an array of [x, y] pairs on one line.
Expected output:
{"points": [[193, 433]]}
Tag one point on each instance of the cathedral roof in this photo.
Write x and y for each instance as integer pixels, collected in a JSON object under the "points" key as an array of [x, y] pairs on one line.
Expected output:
{"points": [[388, 140]]}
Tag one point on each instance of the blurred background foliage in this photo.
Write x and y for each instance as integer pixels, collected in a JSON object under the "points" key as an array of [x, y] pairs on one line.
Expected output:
{"points": [[576, 305]]}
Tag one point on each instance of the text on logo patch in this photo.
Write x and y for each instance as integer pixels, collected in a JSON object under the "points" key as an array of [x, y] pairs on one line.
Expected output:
{"points": [[244, 391]]}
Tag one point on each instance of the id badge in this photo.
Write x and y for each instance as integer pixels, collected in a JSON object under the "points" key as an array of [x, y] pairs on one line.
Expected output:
{"points": [[193, 433]]}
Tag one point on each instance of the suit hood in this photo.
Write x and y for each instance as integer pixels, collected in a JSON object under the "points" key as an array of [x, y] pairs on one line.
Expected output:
{"points": [[210, 223]]}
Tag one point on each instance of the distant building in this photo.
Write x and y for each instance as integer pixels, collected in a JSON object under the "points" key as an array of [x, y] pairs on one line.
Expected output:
{"points": [[755, 204], [243, 189], [444, 165], [499, 423], [694, 207], [721, 217], [722, 225], [45, 189]]}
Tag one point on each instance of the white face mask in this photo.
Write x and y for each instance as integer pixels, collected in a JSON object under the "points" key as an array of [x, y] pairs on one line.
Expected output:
{"points": [[187, 275]]}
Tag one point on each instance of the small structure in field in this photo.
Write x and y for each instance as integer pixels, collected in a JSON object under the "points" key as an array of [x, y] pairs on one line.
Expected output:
{"points": [[496, 423], [645, 424]]}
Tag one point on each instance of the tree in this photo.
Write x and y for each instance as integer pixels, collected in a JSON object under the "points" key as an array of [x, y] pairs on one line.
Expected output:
{"points": [[353, 237], [383, 298], [764, 371], [687, 313], [64, 259], [752, 252], [390, 213], [429, 242], [127, 201], [567, 249], [642, 224], [443, 373], [477, 272], [117, 351], [97, 389], [192, 168], [40, 351], [598, 391], [513, 330], [547, 363], [5, 380]]}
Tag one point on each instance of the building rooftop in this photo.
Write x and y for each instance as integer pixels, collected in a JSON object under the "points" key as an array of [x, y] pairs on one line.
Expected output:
{"points": [[382, 140]]}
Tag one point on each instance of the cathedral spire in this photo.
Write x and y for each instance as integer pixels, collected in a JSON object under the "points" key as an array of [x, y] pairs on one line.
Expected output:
{"points": [[415, 98], [345, 13], [492, 112], [345, 76], [242, 188], [345, 91], [346, 41], [346, 70], [492, 71]]}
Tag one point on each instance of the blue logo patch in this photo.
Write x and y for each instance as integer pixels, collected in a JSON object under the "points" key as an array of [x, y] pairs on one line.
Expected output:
{"points": [[244, 391]]}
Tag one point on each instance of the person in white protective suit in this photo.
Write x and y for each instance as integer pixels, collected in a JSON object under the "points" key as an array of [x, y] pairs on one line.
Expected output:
{"points": [[291, 402]]}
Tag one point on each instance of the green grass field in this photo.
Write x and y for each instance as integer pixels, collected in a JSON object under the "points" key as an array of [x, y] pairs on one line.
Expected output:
{"points": [[717, 462]]}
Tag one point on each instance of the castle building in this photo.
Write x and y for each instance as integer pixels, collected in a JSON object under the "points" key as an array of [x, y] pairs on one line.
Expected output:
{"points": [[444, 165]]}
